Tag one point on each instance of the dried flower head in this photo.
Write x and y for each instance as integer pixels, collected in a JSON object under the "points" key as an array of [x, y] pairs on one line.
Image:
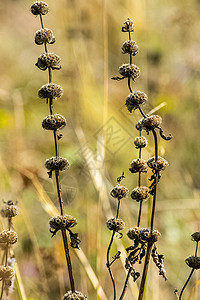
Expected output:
{"points": [[128, 26], [193, 262], [130, 71], [8, 236], [140, 142], [130, 47], [149, 123], [62, 222], [6, 273], [115, 224], [48, 60], [57, 164], [53, 122], [195, 237], [39, 8], [9, 210], [146, 235], [140, 193], [158, 165], [50, 90], [134, 233], [44, 35], [138, 165], [135, 99], [74, 296], [119, 192]]}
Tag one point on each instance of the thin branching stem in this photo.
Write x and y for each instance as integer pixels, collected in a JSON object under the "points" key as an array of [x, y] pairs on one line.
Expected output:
{"points": [[108, 265], [125, 284]]}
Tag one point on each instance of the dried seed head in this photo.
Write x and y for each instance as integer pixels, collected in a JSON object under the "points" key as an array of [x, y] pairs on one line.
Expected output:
{"points": [[53, 122], [130, 71], [48, 60], [115, 224], [152, 122], [134, 100], [74, 296], [44, 35], [158, 165], [119, 192], [193, 262], [8, 236], [62, 222], [39, 8], [133, 233], [195, 237], [140, 142], [138, 165], [130, 47], [146, 235], [50, 90], [57, 164], [128, 26], [6, 273], [9, 211], [140, 193]]}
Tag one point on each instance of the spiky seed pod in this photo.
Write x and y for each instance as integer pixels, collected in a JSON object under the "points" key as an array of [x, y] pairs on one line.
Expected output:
{"points": [[195, 237], [8, 236], [128, 26], [9, 211], [140, 142], [134, 100], [62, 222], [48, 60], [74, 296], [149, 123], [133, 233], [130, 47], [158, 165], [39, 8], [50, 90], [44, 35], [115, 224], [146, 235], [140, 193], [6, 273], [57, 164], [53, 122], [138, 165], [130, 71], [193, 262], [119, 192]]}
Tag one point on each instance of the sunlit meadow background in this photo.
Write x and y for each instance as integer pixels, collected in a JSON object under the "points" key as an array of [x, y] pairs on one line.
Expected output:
{"points": [[98, 140]]}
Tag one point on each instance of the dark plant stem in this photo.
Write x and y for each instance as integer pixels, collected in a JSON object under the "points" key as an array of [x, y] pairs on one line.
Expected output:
{"points": [[108, 265], [125, 284], [189, 277], [139, 184], [58, 186]]}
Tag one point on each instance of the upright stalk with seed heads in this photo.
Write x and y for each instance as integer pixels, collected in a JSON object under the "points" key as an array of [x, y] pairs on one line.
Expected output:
{"points": [[55, 122], [144, 238], [8, 238]]}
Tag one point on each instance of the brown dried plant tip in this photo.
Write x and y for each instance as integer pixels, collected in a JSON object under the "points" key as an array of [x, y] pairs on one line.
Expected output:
{"points": [[9, 211], [119, 192], [130, 71], [134, 233], [128, 26], [195, 237], [8, 236], [140, 142], [44, 35], [134, 100], [39, 8], [149, 123], [130, 47], [57, 164], [143, 234], [74, 296], [158, 165], [48, 60], [138, 165], [115, 224], [193, 262], [62, 222], [140, 193], [50, 90], [6, 273], [53, 122]]}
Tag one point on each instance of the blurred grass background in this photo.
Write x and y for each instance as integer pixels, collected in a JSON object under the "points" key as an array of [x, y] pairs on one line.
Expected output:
{"points": [[98, 140]]}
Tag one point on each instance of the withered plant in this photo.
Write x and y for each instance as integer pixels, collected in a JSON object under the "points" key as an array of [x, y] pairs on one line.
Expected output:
{"points": [[55, 122]]}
